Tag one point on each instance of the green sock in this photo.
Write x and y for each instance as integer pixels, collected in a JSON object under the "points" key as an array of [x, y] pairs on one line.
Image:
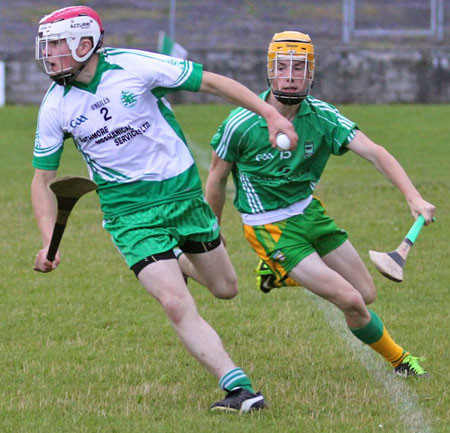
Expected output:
{"points": [[377, 337], [235, 378], [372, 332]]}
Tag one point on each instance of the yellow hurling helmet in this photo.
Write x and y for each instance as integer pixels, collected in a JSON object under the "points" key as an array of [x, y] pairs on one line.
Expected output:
{"points": [[291, 48]]}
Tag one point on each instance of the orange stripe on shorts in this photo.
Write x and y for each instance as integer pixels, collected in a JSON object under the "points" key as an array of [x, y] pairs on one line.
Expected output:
{"points": [[274, 231], [249, 233]]}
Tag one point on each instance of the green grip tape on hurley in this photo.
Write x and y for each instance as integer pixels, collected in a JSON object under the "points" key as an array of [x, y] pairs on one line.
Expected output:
{"points": [[415, 229]]}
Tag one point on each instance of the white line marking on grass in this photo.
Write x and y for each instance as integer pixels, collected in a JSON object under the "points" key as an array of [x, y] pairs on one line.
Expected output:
{"points": [[402, 398], [202, 157]]}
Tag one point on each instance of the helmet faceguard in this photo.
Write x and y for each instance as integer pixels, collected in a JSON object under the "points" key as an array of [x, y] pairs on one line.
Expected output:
{"points": [[59, 37], [290, 66]]}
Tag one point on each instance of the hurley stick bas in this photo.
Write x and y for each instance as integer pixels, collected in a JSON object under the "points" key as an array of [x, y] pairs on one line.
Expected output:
{"points": [[67, 190], [391, 264]]}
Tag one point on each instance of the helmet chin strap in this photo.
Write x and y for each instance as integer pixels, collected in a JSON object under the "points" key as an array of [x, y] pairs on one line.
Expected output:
{"points": [[65, 79], [287, 98]]}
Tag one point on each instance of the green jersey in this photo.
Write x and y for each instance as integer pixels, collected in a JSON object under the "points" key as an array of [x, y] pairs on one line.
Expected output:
{"points": [[125, 129], [268, 179]]}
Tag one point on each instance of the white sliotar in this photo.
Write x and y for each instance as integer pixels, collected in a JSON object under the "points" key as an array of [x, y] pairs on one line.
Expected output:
{"points": [[283, 141]]}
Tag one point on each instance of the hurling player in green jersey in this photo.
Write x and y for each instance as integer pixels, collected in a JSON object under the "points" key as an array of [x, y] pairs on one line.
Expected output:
{"points": [[297, 242], [111, 102]]}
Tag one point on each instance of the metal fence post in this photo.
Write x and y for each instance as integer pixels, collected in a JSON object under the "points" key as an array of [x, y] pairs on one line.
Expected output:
{"points": [[345, 21], [2, 84], [440, 20]]}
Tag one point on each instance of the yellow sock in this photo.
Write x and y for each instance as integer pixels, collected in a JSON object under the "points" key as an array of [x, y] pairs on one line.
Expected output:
{"points": [[389, 349], [376, 336]]}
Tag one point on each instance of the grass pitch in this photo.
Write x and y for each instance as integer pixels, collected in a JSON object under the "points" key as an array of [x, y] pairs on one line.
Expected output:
{"points": [[85, 349]]}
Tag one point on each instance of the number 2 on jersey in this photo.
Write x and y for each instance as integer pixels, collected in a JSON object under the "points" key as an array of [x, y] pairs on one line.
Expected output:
{"points": [[104, 111]]}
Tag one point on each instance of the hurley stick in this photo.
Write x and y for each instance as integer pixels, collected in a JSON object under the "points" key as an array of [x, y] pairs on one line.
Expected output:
{"points": [[67, 190], [391, 264]]}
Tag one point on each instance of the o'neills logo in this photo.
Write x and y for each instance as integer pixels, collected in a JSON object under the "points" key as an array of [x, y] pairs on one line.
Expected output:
{"points": [[100, 104]]}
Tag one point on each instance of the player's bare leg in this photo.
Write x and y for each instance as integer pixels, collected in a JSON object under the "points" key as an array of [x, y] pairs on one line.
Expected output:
{"points": [[314, 274], [189, 270], [346, 261], [164, 281], [214, 270]]}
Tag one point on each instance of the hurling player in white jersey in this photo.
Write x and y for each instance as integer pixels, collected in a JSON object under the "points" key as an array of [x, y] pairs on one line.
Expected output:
{"points": [[111, 103], [287, 227]]}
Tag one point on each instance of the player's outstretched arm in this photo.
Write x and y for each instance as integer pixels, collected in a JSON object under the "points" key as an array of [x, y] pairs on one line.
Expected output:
{"points": [[215, 190], [240, 95], [391, 169], [44, 207]]}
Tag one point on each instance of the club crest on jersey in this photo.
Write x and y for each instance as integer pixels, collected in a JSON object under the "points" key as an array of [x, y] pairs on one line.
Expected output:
{"points": [[309, 149], [278, 256], [128, 99]]}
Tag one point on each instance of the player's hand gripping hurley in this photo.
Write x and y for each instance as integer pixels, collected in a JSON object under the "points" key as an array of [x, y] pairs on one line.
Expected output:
{"points": [[67, 190], [391, 264]]}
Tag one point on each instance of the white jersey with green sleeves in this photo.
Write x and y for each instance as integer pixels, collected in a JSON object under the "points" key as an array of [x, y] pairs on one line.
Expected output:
{"points": [[125, 129], [267, 178]]}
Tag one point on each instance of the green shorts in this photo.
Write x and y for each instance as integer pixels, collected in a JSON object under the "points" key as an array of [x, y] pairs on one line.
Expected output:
{"points": [[161, 228], [284, 244]]}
